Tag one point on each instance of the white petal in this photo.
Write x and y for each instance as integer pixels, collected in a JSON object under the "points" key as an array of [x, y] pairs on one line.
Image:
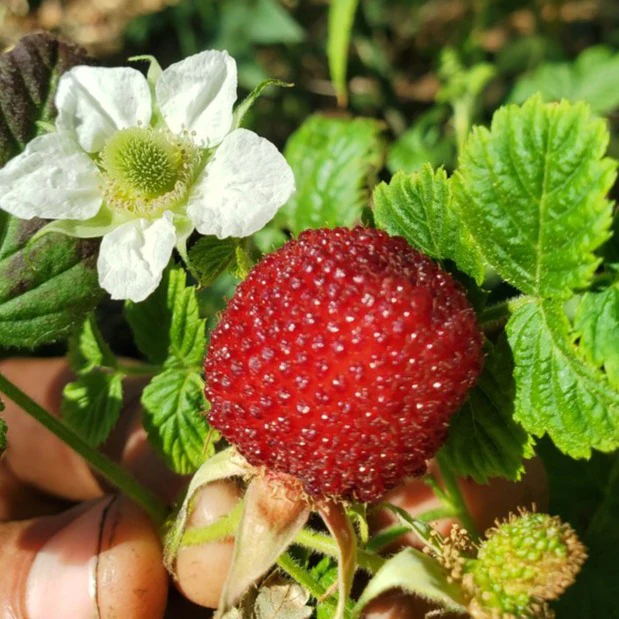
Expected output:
{"points": [[97, 101], [241, 188], [197, 94], [132, 257], [53, 178]]}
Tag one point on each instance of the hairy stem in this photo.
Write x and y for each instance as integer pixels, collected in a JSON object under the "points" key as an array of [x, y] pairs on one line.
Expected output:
{"points": [[113, 472], [302, 576], [326, 545], [220, 529]]}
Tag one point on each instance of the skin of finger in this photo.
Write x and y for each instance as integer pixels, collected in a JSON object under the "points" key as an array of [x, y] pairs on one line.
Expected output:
{"points": [[35, 455], [202, 570], [19, 544], [104, 563], [57, 469], [398, 605], [140, 458], [19, 501], [132, 581], [485, 502]]}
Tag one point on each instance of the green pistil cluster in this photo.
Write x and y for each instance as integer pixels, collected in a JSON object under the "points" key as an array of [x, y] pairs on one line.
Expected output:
{"points": [[524, 563], [147, 170]]}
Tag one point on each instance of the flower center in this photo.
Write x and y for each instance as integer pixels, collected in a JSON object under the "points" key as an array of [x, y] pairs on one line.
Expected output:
{"points": [[148, 170]]}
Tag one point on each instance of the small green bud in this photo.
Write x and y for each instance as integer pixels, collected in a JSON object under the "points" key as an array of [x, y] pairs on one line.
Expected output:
{"points": [[525, 562]]}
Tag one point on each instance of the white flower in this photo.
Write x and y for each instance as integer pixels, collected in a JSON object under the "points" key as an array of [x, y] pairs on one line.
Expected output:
{"points": [[143, 165]]}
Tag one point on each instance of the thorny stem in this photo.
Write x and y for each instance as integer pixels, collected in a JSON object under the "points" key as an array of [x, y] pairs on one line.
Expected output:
{"points": [[455, 498], [113, 472]]}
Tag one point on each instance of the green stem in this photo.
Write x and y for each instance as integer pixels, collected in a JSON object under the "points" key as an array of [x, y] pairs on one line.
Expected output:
{"points": [[437, 514], [456, 500], [113, 472], [387, 537], [500, 312], [494, 314], [431, 481], [326, 545], [138, 369], [302, 576]]}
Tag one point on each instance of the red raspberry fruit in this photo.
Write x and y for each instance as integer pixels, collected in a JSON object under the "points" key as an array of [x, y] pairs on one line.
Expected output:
{"points": [[340, 360]]}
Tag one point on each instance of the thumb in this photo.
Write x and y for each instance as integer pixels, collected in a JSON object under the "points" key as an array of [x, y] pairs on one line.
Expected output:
{"points": [[100, 559]]}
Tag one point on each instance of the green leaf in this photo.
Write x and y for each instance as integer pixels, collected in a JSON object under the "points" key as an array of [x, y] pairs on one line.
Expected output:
{"points": [[167, 326], [92, 404], [423, 142], [242, 262], [595, 592], [175, 419], [341, 19], [28, 76], [332, 160], [417, 573], [47, 286], [268, 22], [484, 440], [592, 77], [556, 391], [419, 207], [88, 350], [610, 251], [532, 191], [597, 325], [210, 257]]}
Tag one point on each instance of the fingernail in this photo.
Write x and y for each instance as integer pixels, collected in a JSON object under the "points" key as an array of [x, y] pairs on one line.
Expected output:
{"points": [[62, 580]]}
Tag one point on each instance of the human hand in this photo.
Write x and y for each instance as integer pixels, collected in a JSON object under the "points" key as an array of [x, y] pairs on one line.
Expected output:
{"points": [[70, 548]]}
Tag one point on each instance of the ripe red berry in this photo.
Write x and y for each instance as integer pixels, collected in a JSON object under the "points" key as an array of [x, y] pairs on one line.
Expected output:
{"points": [[340, 360]]}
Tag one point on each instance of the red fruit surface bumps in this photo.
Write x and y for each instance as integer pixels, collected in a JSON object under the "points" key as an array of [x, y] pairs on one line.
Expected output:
{"points": [[340, 360]]}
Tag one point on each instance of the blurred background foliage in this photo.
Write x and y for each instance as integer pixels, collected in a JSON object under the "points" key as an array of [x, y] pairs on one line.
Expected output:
{"points": [[379, 86], [427, 69]]}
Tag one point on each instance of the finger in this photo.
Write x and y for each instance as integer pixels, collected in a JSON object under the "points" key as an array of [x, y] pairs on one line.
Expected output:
{"points": [[202, 569], [398, 605], [102, 559], [35, 455], [139, 457], [502, 497], [485, 502], [19, 501], [38, 458]]}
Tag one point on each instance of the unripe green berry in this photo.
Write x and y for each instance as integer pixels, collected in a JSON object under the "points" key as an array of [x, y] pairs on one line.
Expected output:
{"points": [[524, 563]]}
